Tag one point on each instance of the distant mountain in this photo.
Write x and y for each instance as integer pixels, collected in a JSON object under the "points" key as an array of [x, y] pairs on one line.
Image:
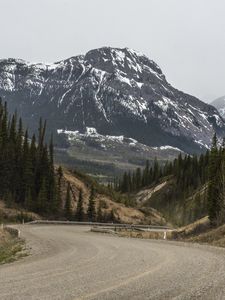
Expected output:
{"points": [[219, 104], [118, 92]]}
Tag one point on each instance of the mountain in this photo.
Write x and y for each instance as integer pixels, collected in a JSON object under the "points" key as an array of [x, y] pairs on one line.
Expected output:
{"points": [[219, 104], [118, 92]]}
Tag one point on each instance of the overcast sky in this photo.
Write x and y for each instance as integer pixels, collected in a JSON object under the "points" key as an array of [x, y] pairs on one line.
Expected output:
{"points": [[185, 37]]}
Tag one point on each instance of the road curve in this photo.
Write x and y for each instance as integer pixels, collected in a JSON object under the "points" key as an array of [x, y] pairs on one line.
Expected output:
{"points": [[70, 262]]}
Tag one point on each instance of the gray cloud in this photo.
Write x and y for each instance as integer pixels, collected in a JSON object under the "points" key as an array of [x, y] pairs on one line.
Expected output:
{"points": [[185, 37]]}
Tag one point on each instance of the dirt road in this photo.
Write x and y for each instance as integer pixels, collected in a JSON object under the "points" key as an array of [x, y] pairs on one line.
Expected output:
{"points": [[69, 262]]}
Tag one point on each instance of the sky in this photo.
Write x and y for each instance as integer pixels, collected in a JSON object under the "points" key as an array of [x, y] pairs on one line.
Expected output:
{"points": [[186, 38]]}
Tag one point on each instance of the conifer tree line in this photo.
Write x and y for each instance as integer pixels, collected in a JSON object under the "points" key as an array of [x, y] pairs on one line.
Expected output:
{"points": [[28, 177], [189, 171], [94, 213], [27, 167], [216, 183]]}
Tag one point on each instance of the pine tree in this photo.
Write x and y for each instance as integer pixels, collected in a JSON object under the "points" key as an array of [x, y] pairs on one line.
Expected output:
{"points": [[41, 205], [156, 170], [58, 190], [29, 205], [112, 216], [213, 191], [221, 185], [52, 188], [91, 206], [138, 178], [145, 176], [99, 212], [27, 169], [67, 209], [80, 208]]}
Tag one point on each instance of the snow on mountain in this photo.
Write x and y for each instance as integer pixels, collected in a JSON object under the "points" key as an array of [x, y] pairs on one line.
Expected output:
{"points": [[117, 92], [119, 148], [219, 103]]}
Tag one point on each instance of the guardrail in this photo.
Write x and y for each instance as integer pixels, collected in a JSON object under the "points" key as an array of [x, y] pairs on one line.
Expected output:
{"points": [[119, 225]]}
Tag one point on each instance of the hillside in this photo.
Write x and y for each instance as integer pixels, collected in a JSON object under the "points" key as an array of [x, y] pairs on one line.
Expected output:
{"points": [[30, 182], [201, 232], [105, 156], [15, 213], [122, 213], [175, 207]]}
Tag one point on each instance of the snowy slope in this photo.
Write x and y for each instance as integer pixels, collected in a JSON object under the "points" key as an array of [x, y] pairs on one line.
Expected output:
{"points": [[219, 104], [119, 92]]}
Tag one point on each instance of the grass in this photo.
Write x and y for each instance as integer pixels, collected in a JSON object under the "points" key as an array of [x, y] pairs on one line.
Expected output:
{"points": [[11, 248], [213, 236], [156, 235], [201, 232]]}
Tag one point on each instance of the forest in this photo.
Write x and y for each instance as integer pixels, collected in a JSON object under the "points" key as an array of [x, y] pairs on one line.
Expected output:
{"points": [[29, 178], [190, 173]]}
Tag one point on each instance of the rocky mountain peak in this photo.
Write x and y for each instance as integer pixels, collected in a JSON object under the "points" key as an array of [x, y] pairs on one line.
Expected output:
{"points": [[124, 61], [118, 92]]}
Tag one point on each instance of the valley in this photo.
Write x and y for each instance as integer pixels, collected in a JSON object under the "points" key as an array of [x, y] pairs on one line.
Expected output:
{"points": [[112, 150]]}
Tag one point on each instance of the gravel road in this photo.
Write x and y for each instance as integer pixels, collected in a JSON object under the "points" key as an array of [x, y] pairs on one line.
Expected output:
{"points": [[69, 262]]}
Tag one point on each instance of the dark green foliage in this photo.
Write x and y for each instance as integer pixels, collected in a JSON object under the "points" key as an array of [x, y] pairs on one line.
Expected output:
{"points": [[190, 172], [42, 199], [26, 167], [109, 191], [91, 213], [68, 209], [99, 212], [58, 196], [112, 216], [216, 186], [188, 175], [80, 208]]}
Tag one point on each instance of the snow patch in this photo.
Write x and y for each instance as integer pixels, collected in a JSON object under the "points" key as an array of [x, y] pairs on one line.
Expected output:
{"points": [[200, 142], [167, 147]]}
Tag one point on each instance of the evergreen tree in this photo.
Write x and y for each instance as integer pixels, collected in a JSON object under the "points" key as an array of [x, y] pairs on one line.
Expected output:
{"points": [[68, 209], [42, 199], [29, 205], [99, 212], [138, 178], [213, 190], [91, 206], [26, 168], [221, 186], [112, 216], [80, 208], [58, 190]]}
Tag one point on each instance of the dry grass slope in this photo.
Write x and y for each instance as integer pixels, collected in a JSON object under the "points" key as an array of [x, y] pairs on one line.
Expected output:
{"points": [[121, 212], [201, 232]]}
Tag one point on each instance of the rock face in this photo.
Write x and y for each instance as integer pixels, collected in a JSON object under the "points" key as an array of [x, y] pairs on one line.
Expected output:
{"points": [[219, 104], [116, 92]]}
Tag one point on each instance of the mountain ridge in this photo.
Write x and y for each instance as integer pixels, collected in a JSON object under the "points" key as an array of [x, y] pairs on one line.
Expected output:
{"points": [[117, 92]]}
